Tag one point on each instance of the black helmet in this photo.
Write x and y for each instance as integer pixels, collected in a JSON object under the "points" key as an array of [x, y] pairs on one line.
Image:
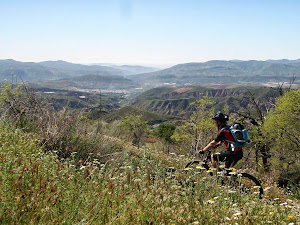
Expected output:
{"points": [[221, 117]]}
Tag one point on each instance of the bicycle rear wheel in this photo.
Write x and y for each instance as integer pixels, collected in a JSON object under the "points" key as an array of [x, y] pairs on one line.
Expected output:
{"points": [[247, 183]]}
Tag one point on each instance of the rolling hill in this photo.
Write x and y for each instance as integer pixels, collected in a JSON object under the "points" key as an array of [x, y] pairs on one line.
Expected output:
{"points": [[89, 83]]}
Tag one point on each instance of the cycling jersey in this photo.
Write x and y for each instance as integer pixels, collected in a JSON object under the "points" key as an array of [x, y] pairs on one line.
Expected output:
{"points": [[225, 136]]}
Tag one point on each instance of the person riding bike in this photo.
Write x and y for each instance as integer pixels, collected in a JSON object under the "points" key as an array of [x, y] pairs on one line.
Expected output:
{"points": [[232, 155]]}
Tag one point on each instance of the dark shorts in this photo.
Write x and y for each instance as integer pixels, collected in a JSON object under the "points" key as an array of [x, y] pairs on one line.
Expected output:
{"points": [[230, 157]]}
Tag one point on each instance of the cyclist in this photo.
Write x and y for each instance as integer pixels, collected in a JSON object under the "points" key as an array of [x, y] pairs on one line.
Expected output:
{"points": [[231, 155]]}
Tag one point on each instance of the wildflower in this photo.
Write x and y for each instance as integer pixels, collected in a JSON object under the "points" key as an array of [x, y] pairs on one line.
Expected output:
{"points": [[186, 169], [55, 126], [196, 222], [269, 221], [289, 216], [210, 201], [182, 155], [81, 168], [291, 224], [227, 218], [267, 188], [237, 214], [283, 204], [271, 213]]}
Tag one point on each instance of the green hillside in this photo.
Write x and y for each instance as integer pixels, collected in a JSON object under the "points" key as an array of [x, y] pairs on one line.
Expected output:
{"points": [[177, 100], [151, 118], [89, 83]]}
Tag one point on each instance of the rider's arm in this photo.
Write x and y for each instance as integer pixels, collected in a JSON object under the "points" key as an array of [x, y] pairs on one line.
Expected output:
{"points": [[215, 142], [210, 145]]}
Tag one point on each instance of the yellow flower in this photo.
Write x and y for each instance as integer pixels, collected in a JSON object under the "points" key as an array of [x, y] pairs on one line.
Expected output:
{"points": [[55, 126], [289, 216]]}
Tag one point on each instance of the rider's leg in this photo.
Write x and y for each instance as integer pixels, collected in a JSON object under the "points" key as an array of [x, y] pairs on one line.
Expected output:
{"points": [[238, 155], [213, 162]]}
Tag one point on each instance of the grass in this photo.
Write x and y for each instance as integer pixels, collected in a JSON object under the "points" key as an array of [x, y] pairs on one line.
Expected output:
{"points": [[131, 188]]}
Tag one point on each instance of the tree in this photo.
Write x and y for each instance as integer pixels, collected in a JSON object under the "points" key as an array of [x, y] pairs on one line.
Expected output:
{"points": [[197, 131], [282, 130], [165, 131], [255, 116], [134, 129]]}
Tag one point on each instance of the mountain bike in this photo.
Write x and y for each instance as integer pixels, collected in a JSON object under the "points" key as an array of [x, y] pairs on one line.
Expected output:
{"points": [[235, 180]]}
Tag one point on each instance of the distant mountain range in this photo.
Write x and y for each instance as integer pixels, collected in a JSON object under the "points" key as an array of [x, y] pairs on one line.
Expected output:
{"points": [[223, 72], [62, 74], [53, 70]]}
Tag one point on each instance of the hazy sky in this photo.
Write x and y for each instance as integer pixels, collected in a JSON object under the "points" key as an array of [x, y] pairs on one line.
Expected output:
{"points": [[149, 32]]}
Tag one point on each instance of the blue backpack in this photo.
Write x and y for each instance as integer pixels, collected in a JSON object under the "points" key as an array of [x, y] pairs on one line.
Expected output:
{"points": [[240, 135]]}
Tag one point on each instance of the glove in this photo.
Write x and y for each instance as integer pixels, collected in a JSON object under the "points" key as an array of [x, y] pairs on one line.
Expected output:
{"points": [[201, 152]]}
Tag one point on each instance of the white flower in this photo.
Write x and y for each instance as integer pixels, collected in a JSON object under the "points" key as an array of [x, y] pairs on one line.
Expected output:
{"points": [[237, 214]]}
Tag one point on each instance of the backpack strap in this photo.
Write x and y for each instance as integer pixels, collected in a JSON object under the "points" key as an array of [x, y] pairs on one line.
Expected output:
{"points": [[230, 143]]}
